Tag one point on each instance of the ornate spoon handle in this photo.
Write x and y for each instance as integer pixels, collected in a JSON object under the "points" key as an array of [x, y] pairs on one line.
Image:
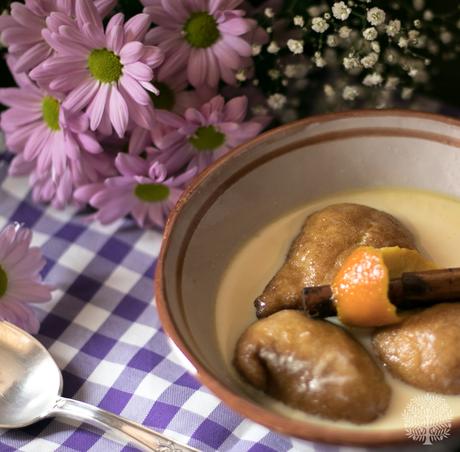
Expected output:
{"points": [[142, 437]]}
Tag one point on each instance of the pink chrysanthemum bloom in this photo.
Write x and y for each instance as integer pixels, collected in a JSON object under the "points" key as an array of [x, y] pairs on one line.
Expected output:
{"points": [[21, 31], [208, 133], [142, 189], [59, 191], [210, 39], [20, 281], [168, 107], [36, 126], [109, 72]]}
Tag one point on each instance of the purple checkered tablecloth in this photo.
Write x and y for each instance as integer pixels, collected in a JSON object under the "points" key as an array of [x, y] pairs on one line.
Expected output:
{"points": [[103, 330]]}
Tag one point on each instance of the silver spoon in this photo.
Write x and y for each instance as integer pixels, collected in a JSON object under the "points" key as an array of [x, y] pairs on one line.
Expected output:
{"points": [[30, 390]]}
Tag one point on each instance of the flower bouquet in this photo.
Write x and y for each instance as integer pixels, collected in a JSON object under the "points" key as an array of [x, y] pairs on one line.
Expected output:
{"points": [[118, 105]]}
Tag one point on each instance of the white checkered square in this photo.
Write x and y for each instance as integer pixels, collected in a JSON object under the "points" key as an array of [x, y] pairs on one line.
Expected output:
{"points": [[151, 387], [62, 353], [122, 279], [201, 402], [106, 373], [250, 431], [17, 187], [137, 335], [91, 317], [40, 444], [76, 258], [39, 239], [149, 242]]}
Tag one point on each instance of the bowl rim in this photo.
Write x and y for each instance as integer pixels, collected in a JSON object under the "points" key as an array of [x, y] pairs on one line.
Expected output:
{"points": [[248, 409]]}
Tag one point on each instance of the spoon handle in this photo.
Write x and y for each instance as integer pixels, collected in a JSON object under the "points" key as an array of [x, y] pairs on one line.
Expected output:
{"points": [[144, 438]]}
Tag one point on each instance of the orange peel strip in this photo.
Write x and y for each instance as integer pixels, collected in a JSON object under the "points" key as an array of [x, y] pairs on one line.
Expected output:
{"points": [[360, 287]]}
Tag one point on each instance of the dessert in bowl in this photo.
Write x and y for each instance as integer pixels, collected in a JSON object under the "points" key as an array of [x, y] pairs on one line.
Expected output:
{"points": [[231, 232]]}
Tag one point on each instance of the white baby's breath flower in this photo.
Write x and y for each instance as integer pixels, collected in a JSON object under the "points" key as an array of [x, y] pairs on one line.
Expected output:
{"points": [[376, 16], [277, 101], [259, 110], [295, 70], [350, 92], [392, 83], [332, 41], [344, 32], [341, 11], [406, 93], [285, 82], [327, 16], [295, 46], [373, 79], [433, 48], [269, 12], [369, 60], [351, 62], [241, 75], [274, 74], [403, 42], [413, 35], [417, 23], [393, 27], [446, 37], [273, 47], [375, 46], [256, 49], [412, 72], [418, 4], [370, 33], [329, 91], [391, 56], [319, 24], [319, 60], [428, 15], [298, 21]]}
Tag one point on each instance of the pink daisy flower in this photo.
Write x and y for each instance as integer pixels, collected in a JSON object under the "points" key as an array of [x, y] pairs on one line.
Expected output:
{"points": [[59, 191], [108, 72], [21, 31], [142, 189], [167, 108], [210, 39], [208, 133], [20, 281], [37, 126]]}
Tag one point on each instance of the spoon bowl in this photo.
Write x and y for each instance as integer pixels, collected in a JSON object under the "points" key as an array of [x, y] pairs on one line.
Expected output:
{"points": [[30, 381], [31, 387]]}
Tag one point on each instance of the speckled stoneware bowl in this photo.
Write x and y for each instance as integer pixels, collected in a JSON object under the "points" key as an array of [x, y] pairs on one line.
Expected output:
{"points": [[259, 182]]}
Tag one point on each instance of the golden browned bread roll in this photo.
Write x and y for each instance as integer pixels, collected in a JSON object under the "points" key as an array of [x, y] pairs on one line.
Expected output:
{"points": [[326, 238], [424, 350], [312, 365]]}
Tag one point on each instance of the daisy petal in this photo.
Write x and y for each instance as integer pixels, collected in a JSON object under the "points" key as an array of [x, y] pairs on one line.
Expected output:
{"points": [[118, 111]]}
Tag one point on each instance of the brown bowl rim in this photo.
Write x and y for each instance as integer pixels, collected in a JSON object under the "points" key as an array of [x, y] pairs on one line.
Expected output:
{"points": [[246, 408]]}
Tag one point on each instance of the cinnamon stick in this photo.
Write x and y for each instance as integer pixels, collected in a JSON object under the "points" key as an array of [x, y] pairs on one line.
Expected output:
{"points": [[412, 290]]}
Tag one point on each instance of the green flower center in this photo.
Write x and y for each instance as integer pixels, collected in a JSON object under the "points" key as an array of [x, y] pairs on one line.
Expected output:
{"points": [[3, 281], [152, 192], [201, 30], [207, 139], [50, 112], [166, 99], [104, 65]]}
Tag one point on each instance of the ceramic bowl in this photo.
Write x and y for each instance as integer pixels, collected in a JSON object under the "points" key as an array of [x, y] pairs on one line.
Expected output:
{"points": [[265, 179]]}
